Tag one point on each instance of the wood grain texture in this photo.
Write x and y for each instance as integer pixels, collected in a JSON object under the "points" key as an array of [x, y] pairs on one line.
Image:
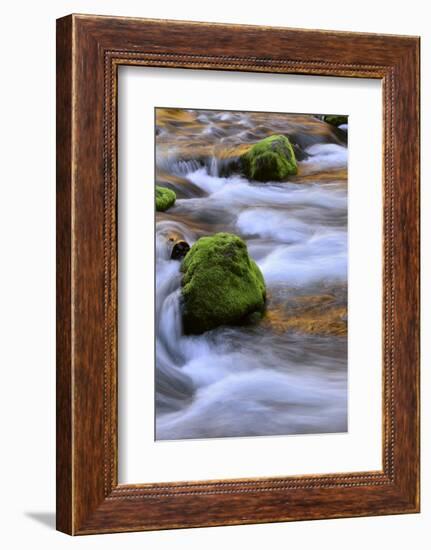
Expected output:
{"points": [[64, 497], [90, 49]]}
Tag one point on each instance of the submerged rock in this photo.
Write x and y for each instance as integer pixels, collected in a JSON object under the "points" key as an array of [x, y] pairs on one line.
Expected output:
{"points": [[179, 250], [165, 198], [335, 120], [271, 159], [322, 314], [221, 284]]}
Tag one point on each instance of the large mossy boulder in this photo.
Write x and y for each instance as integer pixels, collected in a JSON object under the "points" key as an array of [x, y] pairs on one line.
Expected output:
{"points": [[165, 198], [335, 120], [271, 159], [221, 284]]}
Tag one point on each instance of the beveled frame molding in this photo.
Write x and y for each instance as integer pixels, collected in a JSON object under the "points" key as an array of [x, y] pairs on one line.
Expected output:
{"points": [[89, 51]]}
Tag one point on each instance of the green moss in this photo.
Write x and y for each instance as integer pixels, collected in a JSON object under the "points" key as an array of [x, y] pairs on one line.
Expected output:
{"points": [[271, 159], [165, 198], [221, 284], [335, 120]]}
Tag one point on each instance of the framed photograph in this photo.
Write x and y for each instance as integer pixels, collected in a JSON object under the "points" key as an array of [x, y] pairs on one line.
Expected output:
{"points": [[237, 274]]}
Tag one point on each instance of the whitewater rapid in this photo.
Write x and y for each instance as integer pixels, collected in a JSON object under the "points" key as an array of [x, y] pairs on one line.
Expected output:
{"points": [[247, 381]]}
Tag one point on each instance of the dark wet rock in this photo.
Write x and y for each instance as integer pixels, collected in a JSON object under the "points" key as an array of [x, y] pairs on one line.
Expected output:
{"points": [[182, 187], [300, 154], [179, 250]]}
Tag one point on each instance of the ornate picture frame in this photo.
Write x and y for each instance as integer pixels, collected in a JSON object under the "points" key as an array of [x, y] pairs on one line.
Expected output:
{"points": [[89, 51]]}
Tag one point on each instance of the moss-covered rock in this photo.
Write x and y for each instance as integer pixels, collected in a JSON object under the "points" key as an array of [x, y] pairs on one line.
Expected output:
{"points": [[221, 284], [165, 198], [335, 120], [271, 159]]}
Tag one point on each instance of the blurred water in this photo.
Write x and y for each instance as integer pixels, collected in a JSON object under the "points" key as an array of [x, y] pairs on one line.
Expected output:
{"points": [[247, 381]]}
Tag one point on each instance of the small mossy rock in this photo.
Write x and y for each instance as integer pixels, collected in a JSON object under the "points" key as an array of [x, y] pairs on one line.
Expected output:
{"points": [[165, 198], [271, 159], [335, 120], [221, 284]]}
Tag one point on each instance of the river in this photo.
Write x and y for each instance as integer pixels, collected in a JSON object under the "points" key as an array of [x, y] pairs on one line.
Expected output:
{"points": [[287, 374]]}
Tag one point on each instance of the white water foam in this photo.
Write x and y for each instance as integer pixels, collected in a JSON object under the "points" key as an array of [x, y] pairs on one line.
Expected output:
{"points": [[324, 156], [219, 384]]}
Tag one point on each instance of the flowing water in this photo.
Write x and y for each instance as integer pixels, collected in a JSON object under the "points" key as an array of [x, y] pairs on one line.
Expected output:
{"points": [[287, 374]]}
